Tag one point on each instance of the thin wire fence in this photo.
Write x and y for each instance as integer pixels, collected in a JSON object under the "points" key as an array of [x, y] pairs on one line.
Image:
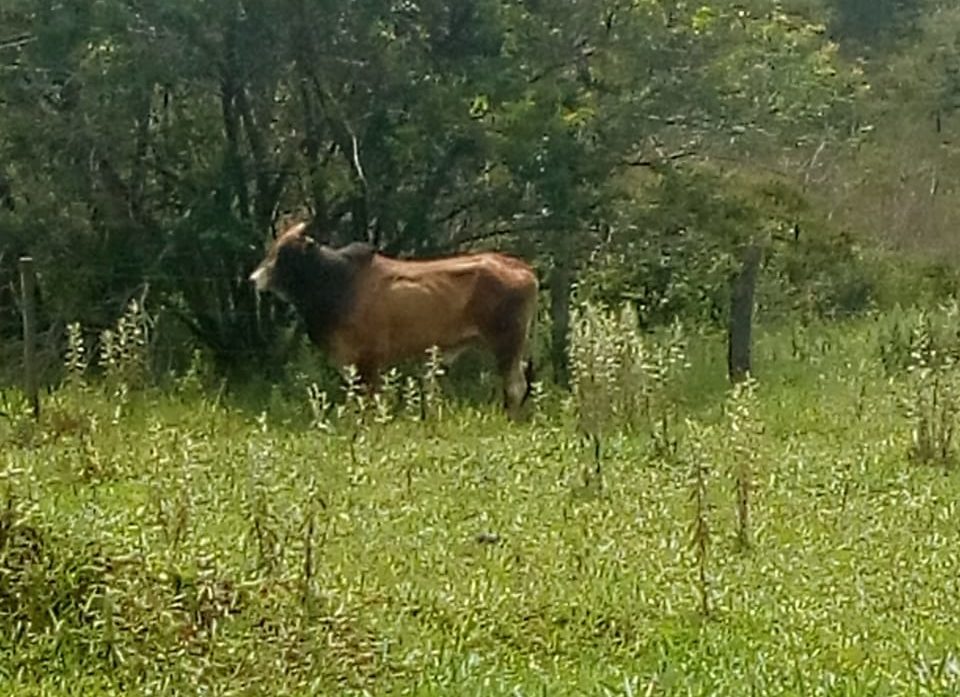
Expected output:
{"points": [[156, 294], [168, 319]]}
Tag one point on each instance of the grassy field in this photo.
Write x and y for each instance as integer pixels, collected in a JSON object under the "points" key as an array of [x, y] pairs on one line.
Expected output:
{"points": [[174, 543]]}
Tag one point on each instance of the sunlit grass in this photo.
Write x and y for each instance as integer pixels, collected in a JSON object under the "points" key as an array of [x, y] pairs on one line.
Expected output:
{"points": [[185, 546]]}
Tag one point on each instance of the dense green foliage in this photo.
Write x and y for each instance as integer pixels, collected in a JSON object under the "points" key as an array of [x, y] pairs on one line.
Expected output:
{"points": [[148, 148], [167, 528]]}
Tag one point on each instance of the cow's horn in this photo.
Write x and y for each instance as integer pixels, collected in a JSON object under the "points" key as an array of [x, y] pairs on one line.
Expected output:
{"points": [[313, 231]]}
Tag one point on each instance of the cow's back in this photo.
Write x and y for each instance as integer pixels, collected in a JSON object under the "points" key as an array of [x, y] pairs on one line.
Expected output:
{"points": [[401, 308]]}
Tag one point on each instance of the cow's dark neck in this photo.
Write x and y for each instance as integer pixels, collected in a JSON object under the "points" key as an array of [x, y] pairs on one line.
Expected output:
{"points": [[322, 293], [321, 319]]}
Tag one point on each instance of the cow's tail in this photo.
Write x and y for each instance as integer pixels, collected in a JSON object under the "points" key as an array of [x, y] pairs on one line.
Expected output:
{"points": [[530, 376], [529, 369]]}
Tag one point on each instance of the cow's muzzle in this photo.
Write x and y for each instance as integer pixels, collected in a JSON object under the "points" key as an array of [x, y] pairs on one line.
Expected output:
{"points": [[260, 278]]}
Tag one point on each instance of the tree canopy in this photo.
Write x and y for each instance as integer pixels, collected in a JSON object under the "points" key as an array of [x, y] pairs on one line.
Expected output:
{"points": [[157, 144]]}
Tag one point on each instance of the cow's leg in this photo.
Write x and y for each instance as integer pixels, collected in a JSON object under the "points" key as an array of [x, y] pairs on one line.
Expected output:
{"points": [[507, 336], [369, 372], [509, 350], [514, 386]]}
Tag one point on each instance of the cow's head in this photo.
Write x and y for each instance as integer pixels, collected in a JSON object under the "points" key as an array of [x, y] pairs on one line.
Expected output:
{"points": [[316, 279], [287, 262]]}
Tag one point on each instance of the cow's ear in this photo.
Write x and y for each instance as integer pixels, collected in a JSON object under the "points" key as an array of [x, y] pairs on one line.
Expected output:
{"points": [[313, 231]]}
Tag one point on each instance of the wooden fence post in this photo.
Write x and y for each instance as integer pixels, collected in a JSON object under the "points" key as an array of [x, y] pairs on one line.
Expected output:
{"points": [[28, 290]]}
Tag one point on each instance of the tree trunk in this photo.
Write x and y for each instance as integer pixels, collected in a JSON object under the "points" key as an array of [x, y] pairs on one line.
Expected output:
{"points": [[561, 284], [740, 330]]}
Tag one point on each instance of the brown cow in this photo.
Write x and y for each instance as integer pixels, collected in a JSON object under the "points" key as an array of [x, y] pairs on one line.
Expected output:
{"points": [[369, 310]]}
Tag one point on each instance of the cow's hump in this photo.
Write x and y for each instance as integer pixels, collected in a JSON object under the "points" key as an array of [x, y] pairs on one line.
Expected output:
{"points": [[358, 254]]}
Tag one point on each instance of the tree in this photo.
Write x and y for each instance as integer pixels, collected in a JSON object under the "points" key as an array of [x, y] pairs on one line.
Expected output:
{"points": [[177, 134]]}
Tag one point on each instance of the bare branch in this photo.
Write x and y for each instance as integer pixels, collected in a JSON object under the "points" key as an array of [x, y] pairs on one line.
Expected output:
{"points": [[652, 162], [755, 164], [459, 209], [481, 236], [583, 52], [499, 230], [808, 170], [356, 156], [17, 41]]}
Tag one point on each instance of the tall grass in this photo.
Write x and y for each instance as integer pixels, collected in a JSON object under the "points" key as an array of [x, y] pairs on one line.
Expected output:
{"points": [[780, 538]]}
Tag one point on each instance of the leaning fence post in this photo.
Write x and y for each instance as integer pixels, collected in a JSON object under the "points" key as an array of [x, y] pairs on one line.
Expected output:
{"points": [[28, 290]]}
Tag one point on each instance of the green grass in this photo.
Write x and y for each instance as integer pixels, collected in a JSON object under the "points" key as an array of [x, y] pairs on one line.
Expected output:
{"points": [[186, 547]]}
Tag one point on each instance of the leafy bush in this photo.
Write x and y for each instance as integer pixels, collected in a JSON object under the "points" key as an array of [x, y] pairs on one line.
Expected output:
{"points": [[909, 338], [620, 378], [674, 249], [928, 348]]}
